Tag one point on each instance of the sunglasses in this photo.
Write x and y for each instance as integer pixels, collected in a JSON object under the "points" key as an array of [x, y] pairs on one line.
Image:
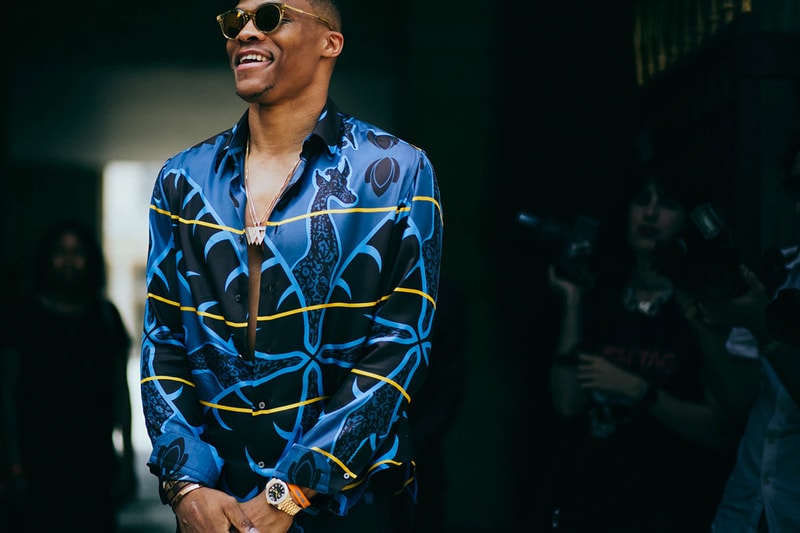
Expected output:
{"points": [[267, 18]]}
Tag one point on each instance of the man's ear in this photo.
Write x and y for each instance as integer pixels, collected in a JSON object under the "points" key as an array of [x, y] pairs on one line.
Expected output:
{"points": [[334, 43]]}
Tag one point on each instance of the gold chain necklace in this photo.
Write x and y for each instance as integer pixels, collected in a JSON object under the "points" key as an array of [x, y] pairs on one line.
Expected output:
{"points": [[255, 234]]}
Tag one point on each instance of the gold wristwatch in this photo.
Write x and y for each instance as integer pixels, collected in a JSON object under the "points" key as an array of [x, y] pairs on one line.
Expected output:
{"points": [[278, 495]]}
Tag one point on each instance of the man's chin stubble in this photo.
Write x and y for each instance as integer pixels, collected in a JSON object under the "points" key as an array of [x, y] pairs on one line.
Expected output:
{"points": [[253, 96]]}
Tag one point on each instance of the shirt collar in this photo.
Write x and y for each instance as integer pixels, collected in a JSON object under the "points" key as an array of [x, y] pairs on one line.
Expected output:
{"points": [[329, 126], [327, 130]]}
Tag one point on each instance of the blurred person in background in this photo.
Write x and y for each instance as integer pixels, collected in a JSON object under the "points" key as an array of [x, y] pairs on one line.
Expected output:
{"points": [[757, 371], [638, 450], [65, 401]]}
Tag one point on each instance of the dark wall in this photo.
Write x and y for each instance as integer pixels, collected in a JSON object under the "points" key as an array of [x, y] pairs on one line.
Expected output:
{"points": [[562, 145]]}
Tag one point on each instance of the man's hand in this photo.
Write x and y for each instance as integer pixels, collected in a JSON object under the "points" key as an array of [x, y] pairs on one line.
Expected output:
{"points": [[266, 517], [746, 311], [208, 510]]}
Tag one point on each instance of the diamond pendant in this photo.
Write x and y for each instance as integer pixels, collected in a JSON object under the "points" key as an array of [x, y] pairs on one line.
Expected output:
{"points": [[255, 234]]}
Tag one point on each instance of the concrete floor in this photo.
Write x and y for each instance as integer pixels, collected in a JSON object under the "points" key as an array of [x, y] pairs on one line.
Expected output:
{"points": [[146, 514]]}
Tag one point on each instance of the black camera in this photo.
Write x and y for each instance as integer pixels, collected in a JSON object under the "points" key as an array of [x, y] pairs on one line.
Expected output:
{"points": [[702, 259], [570, 247]]}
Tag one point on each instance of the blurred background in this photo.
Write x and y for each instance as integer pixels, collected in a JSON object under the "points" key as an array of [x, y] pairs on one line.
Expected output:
{"points": [[546, 107]]}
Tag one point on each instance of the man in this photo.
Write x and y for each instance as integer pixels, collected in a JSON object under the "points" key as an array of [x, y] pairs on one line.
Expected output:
{"points": [[292, 277], [763, 488]]}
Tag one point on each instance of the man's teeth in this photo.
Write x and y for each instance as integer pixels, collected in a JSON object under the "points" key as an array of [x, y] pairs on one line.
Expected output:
{"points": [[253, 57]]}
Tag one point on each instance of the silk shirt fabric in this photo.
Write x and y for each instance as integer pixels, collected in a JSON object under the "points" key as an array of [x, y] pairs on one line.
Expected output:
{"points": [[348, 287]]}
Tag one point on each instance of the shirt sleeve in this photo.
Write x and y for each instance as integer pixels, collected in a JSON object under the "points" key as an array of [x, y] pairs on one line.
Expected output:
{"points": [[171, 405], [742, 343]]}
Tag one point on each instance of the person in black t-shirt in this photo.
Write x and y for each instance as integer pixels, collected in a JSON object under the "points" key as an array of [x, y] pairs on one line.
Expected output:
{"points": [[639, 444]]}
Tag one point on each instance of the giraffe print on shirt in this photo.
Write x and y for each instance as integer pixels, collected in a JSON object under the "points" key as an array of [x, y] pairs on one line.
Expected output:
{"points": [[314, 271]]}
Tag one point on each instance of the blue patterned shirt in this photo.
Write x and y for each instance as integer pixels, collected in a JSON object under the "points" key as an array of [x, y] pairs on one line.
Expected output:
{"points": [[348, 288]]}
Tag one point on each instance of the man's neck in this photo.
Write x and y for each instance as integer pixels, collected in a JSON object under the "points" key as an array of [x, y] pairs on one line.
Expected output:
{"points": [[277, 130]]}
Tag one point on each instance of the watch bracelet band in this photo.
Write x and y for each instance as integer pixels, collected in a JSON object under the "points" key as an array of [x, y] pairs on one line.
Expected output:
{"points": [[288, 506], [278, 494]]}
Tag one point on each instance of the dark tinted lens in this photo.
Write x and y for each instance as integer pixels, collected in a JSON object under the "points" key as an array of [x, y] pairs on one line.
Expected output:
{"points": [[268, 16], [232, 23]]}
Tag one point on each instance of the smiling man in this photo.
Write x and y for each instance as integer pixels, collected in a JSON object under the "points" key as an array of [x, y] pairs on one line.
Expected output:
{"points": [[292, 277]]}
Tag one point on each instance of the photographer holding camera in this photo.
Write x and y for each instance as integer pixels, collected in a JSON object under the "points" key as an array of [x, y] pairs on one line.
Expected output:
{"points": [[639, 449], [763, 490]]}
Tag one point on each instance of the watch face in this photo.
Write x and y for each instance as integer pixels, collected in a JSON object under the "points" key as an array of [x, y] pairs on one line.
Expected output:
{"points": [[276, 491]]}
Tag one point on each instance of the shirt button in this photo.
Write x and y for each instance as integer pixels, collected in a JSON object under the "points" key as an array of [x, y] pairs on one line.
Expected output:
{"points": [[238, 297], [261, 405], [346, 475], [261, 464]]}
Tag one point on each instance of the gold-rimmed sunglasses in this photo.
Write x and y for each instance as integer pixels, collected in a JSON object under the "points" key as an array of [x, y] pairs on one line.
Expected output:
{"points": [[266, 17]]}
